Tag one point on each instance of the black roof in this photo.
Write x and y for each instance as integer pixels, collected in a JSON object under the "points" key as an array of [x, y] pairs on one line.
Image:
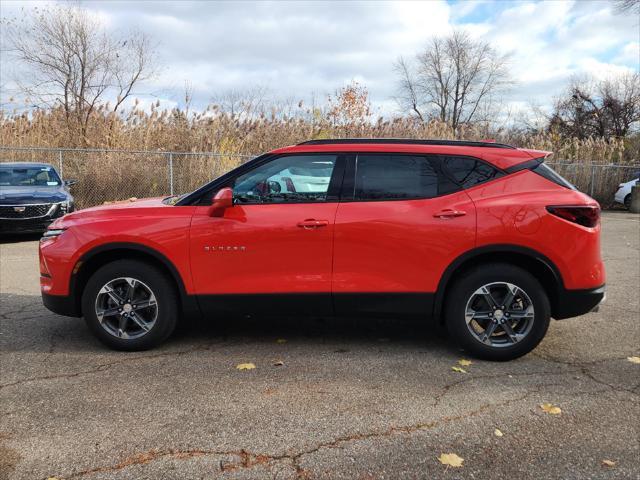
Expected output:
{"points": [[406, 141]]}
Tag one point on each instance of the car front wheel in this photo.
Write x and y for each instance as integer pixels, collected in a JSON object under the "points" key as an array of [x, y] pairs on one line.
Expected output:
{"points": [[497, 312], [130, 305]]}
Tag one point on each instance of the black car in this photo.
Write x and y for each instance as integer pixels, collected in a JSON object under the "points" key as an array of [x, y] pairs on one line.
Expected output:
{"points": [[32, 195]]}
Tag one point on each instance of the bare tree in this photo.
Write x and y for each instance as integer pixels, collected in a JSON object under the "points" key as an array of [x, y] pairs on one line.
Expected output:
{"points": [[409, 96], [627, 6], [607, 108], [71, 61], [242, 102], [453, 79]]}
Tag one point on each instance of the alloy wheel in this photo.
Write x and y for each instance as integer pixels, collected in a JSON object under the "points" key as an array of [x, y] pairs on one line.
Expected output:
{"points": [[499, 314], [126, 308]]}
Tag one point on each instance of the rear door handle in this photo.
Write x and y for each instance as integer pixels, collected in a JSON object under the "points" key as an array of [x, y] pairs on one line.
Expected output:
{"points": [[449, 213], [311, 223]]}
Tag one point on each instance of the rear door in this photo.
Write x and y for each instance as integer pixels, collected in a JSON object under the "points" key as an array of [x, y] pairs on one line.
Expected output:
{"points": [[400, 223]]}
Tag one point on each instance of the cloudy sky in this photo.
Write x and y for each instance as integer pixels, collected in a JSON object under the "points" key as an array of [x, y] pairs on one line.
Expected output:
{"points": [[296, 49]]}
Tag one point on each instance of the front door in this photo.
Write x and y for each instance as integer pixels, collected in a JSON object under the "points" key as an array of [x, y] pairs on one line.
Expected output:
{"points": [[396, 232], [272, 251]]}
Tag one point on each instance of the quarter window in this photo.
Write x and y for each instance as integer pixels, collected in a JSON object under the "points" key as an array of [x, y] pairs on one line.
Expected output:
{"points": [[294, 178], [392, 177], [468, 172]]}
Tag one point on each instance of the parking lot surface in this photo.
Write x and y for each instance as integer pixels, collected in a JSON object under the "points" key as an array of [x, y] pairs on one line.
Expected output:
{"points": [[353, 399]]}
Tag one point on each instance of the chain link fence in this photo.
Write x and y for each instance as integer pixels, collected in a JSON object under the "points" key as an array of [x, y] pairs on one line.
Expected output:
{"points": [[109, 175], [598, 181]]}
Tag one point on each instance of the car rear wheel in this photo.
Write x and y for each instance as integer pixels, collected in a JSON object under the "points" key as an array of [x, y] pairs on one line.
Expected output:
{"points": [[130, 305], [497, 312], [627, 202]]}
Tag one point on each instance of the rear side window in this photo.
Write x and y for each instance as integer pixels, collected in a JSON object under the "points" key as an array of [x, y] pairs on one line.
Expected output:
{"points": [[393, 177], [468, 172], [549, 173]]}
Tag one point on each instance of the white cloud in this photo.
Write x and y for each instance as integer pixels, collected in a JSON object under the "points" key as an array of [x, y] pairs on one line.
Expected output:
{"points": [[296, 48]]}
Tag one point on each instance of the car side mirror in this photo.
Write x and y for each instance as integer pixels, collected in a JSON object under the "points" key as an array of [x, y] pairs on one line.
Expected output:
{"points": [[220, 202], [70, 182]]}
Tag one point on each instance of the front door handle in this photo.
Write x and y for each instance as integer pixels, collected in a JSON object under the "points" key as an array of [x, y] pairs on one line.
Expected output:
{"points": [[312, 223], [449, 213]]}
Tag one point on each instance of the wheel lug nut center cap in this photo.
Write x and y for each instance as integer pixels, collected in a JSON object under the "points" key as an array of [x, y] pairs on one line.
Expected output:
{"points": [[498, 314], [127, 308]]}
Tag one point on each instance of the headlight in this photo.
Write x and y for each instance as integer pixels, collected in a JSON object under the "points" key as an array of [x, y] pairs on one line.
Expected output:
{"points": [[66, 207], [54, 232]]}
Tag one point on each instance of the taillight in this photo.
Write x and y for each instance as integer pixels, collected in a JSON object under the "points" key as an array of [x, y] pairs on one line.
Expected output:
{"points": [[585, 215]]}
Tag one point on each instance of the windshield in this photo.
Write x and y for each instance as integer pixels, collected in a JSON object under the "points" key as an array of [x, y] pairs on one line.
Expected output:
{"points": [[28, 177]]}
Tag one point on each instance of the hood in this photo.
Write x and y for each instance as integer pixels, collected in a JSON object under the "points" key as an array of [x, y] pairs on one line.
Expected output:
{"points": [[29, 195], [109, 211]]}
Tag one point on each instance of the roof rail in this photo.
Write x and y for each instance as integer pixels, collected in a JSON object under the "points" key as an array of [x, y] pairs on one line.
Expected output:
{"points": [[406, 141]]}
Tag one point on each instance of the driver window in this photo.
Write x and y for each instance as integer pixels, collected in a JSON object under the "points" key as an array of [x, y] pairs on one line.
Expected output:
{"points": [[293, 178]]}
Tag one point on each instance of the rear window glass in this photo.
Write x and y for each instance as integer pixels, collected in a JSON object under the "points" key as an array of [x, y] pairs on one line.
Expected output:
{"points": [[468, 172], [549, 173]]}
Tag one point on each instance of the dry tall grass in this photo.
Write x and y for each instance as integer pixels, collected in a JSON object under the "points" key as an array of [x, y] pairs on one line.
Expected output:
{"points": [[121, 175]]}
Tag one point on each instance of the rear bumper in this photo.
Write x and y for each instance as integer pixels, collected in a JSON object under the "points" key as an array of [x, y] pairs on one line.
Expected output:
{"points": [[61, 304], [573, 303]]}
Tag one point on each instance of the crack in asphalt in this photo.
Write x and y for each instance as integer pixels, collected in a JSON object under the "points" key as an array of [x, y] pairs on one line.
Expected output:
{"points": [[583, 367], [104, 366], [249, 459]]}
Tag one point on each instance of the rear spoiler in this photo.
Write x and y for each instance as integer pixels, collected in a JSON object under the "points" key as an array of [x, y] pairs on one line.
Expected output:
{"points": [[528, 165], [536, 166]]}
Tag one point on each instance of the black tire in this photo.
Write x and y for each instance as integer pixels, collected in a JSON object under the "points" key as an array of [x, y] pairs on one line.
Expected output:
{"points": [[465, 287], [627, 202], [166, 302]]}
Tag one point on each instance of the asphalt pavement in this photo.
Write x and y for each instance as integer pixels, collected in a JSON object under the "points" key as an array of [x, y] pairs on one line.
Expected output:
{"points": [[328, 399]]}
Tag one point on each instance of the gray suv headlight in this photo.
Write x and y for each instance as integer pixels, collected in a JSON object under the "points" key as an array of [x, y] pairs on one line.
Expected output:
{"points": [[66, 207]]}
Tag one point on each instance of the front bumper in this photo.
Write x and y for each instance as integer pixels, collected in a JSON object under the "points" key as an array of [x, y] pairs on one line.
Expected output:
{"points": [[61, 304], [573, 303]]}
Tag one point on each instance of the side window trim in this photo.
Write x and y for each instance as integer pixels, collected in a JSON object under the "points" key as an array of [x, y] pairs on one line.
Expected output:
{"points": [[347, 193]]}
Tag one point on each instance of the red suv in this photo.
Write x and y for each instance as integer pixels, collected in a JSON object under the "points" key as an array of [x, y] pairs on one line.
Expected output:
{"points": [[481, 236]]}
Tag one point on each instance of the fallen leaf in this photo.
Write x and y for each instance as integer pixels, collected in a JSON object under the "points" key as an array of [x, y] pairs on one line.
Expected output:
{"points": [[464, 362], [498, 433], [608, 463], [550, 409], [281, 340], [634, 359], [458, 369], [278, 363], [450, 460], [246, 366]]}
